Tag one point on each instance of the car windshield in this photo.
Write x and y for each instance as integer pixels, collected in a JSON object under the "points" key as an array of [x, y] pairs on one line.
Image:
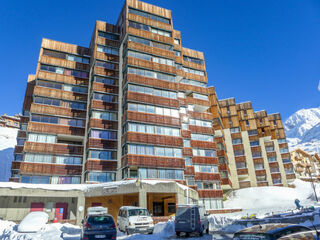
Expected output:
{"points": [[251, 236], [100, 220], [138, 212], [183, 212]]}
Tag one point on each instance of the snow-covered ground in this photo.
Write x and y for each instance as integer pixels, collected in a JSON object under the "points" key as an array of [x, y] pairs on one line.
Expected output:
{"points": [[7, 143]]}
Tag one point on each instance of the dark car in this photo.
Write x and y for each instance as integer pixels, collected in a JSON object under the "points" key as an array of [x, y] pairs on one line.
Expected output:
{"points": [[99, 226], [191, 218], [309, 235], [269, 231]]}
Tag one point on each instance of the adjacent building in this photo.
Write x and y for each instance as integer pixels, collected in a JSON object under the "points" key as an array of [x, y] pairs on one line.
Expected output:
{"points": [[253, 144], [10, 121], [306, 165]]}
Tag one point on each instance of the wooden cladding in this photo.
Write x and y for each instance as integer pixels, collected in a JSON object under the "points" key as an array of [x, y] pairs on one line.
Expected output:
{"points": [[202, 144], [236, 135], [258, 160], [55, 129], [151, 50], [261, 172], [153, 161], [262, 184], [204, 193], [105, 72], [207, 176], [64, 63], [107, 57], [21, 134], [100, 165], [205, 160], [256, 149], [238, 147], [244, 184], [151, 65], [96, 104], [185, 133], [242, 171], [202, 116], [191, 100], [226, 181], [65, 47], [102, 143], [191, 88], [51, 169], [291, 176], [152, 118], [150, 35], [108, 42], [187, 152], [240, 158], [153, 139], [18, 149], [58, 111], [61, 78], [152, 82], [189, 170], [96, 86], [150, 22], [146, 7], [104, 124], [197, 129], [273, 164], [154, 100], [15, 165], [107, 27], [53, 148], [275, 175], [55, 93]]}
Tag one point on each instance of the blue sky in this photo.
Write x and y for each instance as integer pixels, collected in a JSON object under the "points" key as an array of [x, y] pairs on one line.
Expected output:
{"points": [[264, 51]]}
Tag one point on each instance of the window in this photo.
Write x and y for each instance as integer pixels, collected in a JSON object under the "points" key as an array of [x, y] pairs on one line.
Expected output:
{"points": [[284, 150], [238, 153], [236, 141], [150, 58], [201, 137], [104, 134], [20, 142], [258, 166], [177, 53], [153, 150], [274, 170], [69, 160], [103, 155], [193, 71], [68, 72], [73, 88], [150, 43], [105, 97], [111, 36], [108, 81], [78, 59], [252, 132], [247, 122], [272, 159], [276, 181], [61, 55], [286, 160], [254, 143], [206, 168], [149, 29], [160, 173], [43, 138], [152, 91], [149, 15], [177, 41], [256, 154], [108, 50], [186, 143], [101, 177], [235, 130], [35, 179], [107, 65], [241, 165], [110, 116], [193, 83], [151, 74], [282, 140], [38, 158], [200, 123], [204, 152], [188, 161], [261, 178], [49, 84], [194, 60], [211, 203], [156, 110], [200, 96], [152, 129]]}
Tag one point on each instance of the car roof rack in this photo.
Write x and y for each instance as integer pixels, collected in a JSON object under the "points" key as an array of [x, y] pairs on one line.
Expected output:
{"points": [[97, 210]]}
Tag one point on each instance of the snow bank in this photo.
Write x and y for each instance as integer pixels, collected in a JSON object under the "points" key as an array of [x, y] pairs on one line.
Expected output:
{"points": [[33, 222]]}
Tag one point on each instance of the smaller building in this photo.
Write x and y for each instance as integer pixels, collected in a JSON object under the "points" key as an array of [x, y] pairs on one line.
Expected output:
{"points": [[306, 165], [68, 203], [10, 121]]}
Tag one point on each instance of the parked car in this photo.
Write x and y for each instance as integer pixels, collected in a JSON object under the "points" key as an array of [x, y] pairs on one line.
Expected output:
{"points": [[134, 220], [309, 235], [269, 231], [33, 222], [191, 218], [98, 224]]}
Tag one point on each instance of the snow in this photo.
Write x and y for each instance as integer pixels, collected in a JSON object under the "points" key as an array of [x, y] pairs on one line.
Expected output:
{"points": [[33, 222], [303, 130], [7, 143]]}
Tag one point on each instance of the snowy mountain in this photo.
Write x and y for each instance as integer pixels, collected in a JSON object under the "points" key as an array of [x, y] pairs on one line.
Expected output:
{"points": [[303, 130], [7, 143]]}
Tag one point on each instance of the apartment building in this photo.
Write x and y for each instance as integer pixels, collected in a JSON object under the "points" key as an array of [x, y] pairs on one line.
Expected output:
{"points": [[306, 165], [255, 143], [134, 104], [10, 121]]}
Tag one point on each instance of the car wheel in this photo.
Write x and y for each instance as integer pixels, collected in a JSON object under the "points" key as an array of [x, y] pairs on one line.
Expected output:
{"points": [[187, 234], [201, 233], [127, 232], [178, 234], [207, 230]]}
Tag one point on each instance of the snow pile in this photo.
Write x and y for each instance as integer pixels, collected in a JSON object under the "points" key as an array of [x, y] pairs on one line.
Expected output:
{"points": [[7, 143], [264, 202], [303, 130], [33, 222]]}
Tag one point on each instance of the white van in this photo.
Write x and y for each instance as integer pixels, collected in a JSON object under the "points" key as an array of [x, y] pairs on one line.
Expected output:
{"points": [[134, 220]]}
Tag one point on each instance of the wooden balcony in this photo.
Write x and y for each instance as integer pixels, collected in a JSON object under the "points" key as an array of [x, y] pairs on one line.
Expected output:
{"points": [[275, 175], [152, 50], [221, 153], [223, 167], [202, 144], [55, 129], [195, 77], [271, 154], [208, 193], [105, 72], [57, 111], [187, 152], [205, 160], [244, 184], [53, 148], [194, 65], [21, 134], [262, 184], [185, 133], [103, 124], [240, 158], [15, 165], [100, 165], [106, 56], [199, 102], [261, 172], [108, 42], [154, 100], [207, 176], [150, 22], [152, 161], [226, 181], [151, 65], [285, 155], [290, 176], [101, 87], [64, 63], [283, 145], [256, 149], [62, 78], [236, 135], [102, 143], [258, 160], [18, 149], [152, 82], [237, 147], [96, 104], [274, 165], [135, 137], [152, 118], [189, 170], [203, 130], [243, 172], [55, 93], [51, 169], [191, 88], [203, 116], [149, 35]]}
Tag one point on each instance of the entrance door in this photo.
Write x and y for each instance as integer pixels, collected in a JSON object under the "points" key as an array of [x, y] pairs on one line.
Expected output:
{"points": [[158, 208], [61, 211], [36, 206]]}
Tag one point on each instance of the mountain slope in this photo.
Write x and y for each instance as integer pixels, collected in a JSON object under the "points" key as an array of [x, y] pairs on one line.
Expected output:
{"points": [[7, 144], [303, 130]]}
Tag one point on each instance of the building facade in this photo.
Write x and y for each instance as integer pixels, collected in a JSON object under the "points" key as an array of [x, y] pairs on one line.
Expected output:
{"points": [[255, 145], [306, 165], [134, 104], [10, 121]]}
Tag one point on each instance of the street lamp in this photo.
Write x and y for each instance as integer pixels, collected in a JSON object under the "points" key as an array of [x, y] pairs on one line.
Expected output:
{"points": [[312, 184]]}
